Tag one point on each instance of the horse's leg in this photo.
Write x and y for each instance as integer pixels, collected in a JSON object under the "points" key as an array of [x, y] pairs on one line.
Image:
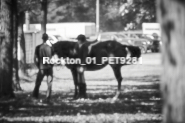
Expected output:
{"points": [[49, 83], [39, 79], [84, 87], [82, 84], [117, 73], [74, 73]]}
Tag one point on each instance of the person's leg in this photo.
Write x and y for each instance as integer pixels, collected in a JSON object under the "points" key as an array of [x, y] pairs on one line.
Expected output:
{"points": [[39, 79], [117, 73], [49, 73], [81, 82], [75, 79]]}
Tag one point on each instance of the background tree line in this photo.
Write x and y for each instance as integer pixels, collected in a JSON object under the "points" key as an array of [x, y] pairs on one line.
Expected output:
{"points": [[112, 12]]}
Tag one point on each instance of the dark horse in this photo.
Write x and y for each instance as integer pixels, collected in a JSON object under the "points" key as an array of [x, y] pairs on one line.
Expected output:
{"points": [[96, 50]]}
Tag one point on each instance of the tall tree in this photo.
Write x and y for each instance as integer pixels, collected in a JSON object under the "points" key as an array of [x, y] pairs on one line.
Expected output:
{"points": [[15, 78], [23, 5], [43, 15], [172, 18], [21, 46], [6, 51]]}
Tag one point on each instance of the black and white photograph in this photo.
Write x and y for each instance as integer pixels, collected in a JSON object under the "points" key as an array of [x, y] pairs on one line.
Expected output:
{"points": [[92, 61]]}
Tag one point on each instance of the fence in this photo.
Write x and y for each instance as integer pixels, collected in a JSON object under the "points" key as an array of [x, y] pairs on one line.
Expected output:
{"points": [[32, 39]]}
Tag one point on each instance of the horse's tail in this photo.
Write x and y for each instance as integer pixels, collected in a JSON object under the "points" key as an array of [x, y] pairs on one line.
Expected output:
{"points": [[134, 51]]}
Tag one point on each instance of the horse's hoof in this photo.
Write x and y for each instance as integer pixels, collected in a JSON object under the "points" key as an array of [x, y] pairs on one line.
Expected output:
{"points": [[34, 99], [46, 101], [82, 96], [36, 96], [75, 97], [85, 97], [82, 99], [114, 100]]}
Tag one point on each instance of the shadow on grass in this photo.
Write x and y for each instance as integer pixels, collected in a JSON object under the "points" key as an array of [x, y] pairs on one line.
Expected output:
{"points": [[155, 78], [136, 99]]}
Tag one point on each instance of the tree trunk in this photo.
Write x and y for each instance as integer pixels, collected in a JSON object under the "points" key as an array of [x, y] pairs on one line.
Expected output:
{"points": [[21, 47], [27, 20], [6, 51], [15, 78], [43, 15], [171, 14]]}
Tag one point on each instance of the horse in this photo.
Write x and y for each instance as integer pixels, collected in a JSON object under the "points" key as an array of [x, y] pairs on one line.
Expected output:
{"points": [[100, 51]]}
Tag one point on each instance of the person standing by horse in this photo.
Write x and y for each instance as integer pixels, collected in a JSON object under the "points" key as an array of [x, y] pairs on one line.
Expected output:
{"points": [[84, 48], [43, 50], [81, 53]]}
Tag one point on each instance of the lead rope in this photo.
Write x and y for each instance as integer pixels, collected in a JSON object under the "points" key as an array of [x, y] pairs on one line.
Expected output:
{"points": [[53, 53]]}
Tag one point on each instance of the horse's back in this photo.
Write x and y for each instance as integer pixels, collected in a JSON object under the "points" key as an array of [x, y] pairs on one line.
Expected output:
{"points": [[116, 49]]}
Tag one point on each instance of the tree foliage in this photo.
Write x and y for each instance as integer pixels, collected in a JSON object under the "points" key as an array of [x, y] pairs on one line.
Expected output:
{"points": [[33, 6], [137, 12], [112, 12]]}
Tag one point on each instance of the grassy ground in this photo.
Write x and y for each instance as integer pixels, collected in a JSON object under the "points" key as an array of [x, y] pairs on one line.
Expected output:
{"points": [[139, 102]]}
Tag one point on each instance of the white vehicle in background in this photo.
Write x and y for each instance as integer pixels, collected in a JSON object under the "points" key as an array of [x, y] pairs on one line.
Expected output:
{"points": [[56, 37], [69, 30], [151, 28]]}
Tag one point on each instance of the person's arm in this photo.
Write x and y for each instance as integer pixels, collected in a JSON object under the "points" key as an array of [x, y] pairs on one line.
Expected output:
{"points": [[36, 56], [52, 51]]}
